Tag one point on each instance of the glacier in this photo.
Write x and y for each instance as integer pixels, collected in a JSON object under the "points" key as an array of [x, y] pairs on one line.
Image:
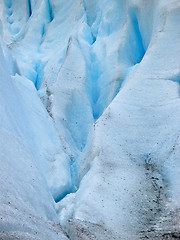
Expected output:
{"points": [[89, 124]]}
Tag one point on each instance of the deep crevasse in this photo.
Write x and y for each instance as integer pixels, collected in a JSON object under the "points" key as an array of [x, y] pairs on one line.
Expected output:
{"points": [[109, 150]]}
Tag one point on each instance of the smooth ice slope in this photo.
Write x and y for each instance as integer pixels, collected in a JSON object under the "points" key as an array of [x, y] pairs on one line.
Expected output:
{"points": [[105, 144], [26, 204]]}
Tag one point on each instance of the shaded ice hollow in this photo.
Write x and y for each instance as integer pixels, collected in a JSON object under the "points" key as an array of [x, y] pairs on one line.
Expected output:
{"points": [[89, 123]]}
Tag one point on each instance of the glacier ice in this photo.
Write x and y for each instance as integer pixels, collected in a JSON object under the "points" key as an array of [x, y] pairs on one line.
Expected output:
{"points": [[22, 214], [90, 118]]}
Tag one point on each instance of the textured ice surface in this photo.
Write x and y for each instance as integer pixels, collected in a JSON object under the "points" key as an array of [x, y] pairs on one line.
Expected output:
{"points": [[26, 204], [103, 141]]}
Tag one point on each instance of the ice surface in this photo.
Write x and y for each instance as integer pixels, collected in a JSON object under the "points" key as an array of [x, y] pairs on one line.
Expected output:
{"points": [[93, 106], [26, 202]]}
